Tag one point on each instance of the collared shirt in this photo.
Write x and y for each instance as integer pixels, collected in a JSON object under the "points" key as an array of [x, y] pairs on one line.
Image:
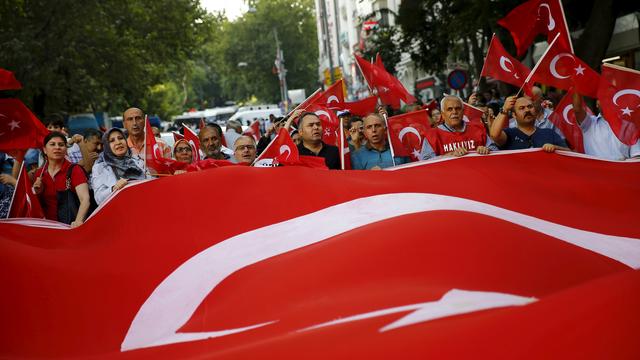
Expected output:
{"points": [[517, 140], [136, 151], [74, 154], [367, 157], [428, 152], [599, 140], [330, 153], [51, 186]]}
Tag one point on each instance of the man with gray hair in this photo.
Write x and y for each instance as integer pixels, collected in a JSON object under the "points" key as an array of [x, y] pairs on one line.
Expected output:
{"points": [[456, 137], [233, 132], [244, 149]]}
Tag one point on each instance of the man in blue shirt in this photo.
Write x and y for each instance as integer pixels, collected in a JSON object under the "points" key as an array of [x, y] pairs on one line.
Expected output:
{"points": [[375, 154], [526, 134]]}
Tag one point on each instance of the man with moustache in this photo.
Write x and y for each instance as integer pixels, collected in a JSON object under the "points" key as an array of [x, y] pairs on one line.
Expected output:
{"points": [[133, 121], [244, 149], [310, 130], [526, 134]]}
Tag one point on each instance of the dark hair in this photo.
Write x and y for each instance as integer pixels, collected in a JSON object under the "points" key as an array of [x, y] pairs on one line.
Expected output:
{"points": [[55, 120], [353, 119], [89, 133], [54, 134], [215, 126], [495, 107], [306, 113]]}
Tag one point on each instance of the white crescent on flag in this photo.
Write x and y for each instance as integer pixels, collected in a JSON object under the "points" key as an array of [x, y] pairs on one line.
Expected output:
{"points": [[409, 129], [332, 98], [552, 23], [174, 301], [565, 114], [285, 149], [623, 92], [554, 61], [503, 64]]}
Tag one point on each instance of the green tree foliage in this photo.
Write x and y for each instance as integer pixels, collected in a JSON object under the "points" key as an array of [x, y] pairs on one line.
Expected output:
{"points": [[95, 55], [250, 40]]}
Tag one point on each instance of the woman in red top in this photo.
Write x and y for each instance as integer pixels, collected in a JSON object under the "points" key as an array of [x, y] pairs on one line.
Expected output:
{"points": [[52, 178]]}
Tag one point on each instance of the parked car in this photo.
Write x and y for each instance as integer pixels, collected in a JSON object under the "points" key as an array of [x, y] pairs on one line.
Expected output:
{"points": [[246, 117], [79, 123]]}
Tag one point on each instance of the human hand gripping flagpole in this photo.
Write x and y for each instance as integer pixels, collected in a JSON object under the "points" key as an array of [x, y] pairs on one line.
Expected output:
{"points": [[384, 114], [537, 64]]}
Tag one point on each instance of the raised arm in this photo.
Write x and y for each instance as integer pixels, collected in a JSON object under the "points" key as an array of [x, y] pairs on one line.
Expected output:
{"points": [[496, 133]]}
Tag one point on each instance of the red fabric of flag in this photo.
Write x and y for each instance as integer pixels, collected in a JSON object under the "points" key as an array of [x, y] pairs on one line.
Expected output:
{"points": [[499, 65], [564, 118], [25, 204], [193, 140], [408, 133], [536, 17], [281, 150], [19, 128], [388, 88], [361, 107], [253, 130], [339, 265], [619, 95], [8, 81], [154, 158], [472, 113], [562, 69]]}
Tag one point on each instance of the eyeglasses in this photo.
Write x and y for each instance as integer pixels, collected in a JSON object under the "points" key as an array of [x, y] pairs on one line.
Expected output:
{"points": [[183, 149], [242, 147]]}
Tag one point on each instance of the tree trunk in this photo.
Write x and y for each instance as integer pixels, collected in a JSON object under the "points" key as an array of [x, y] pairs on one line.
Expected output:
{"points": [[594, 41]]}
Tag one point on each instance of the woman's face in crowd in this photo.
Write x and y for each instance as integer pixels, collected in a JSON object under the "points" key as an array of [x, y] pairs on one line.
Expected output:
{"points": [[183, 152], [55, 148], [118, 144]]}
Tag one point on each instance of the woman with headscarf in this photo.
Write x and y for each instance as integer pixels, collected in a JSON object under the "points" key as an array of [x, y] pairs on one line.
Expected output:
{"points": [[115, 166], [183, 152]]}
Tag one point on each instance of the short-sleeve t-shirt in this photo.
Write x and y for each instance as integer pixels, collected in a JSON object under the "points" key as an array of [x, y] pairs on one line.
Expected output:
{"points": [[517, 140], [51, 186]]}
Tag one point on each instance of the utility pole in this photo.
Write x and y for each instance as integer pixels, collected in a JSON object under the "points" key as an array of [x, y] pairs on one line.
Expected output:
{"points": [[282, 72], [327, 38]]}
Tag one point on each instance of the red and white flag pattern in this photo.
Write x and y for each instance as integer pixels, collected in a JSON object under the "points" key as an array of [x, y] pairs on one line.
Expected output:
{"points": [[25, 204], [408, 133], [350, 264], [562, 69], [535, 17], [499, 65], [619, 95], [194, 141], [19, 128], [253, 130], [280, 149], [564, 118]]}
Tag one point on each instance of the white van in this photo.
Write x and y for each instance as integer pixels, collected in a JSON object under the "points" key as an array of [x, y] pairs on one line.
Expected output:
{"points": [[248, 116]]}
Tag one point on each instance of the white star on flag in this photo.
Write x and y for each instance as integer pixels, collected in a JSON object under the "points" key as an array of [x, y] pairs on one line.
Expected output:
{"points": [[627, 111], [416, 154], [14, 124], [327, 132], [580, 70]]}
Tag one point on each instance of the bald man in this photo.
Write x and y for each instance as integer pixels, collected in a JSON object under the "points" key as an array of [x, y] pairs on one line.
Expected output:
{"points": [[526, 134]]}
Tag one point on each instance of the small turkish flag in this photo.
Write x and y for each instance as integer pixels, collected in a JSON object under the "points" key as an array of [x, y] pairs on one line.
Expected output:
{"points": [[564, 118], [407, 132], [154, 158], [619, 95], [177, 136], [253, 130], [19, 128], [194, 141], [472, 114], [535, 17], [280, 150], [362, 107], [330, 124], [8, 81], [559, 68], [25, 203], [390, 90], [499, 65]]}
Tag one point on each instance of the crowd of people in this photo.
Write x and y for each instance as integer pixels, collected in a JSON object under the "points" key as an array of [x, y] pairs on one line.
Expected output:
{"points": [[91, 167]]}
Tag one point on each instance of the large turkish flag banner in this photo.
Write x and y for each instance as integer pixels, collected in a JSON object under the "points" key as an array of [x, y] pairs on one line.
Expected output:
{"points": [[433, 260]]}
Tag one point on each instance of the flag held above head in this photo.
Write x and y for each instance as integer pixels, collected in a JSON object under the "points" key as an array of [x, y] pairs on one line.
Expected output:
{"points": [[499, 65], [19, 128], [619, 95], [536, 17], [389, 89]]}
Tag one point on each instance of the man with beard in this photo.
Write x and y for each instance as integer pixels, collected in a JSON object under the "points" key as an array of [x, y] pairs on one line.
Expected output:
{"points": [[526, 134], [211, 142]]}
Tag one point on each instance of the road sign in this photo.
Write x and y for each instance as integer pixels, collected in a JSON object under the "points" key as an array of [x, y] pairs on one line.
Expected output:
{"points": [[457, 79]]}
